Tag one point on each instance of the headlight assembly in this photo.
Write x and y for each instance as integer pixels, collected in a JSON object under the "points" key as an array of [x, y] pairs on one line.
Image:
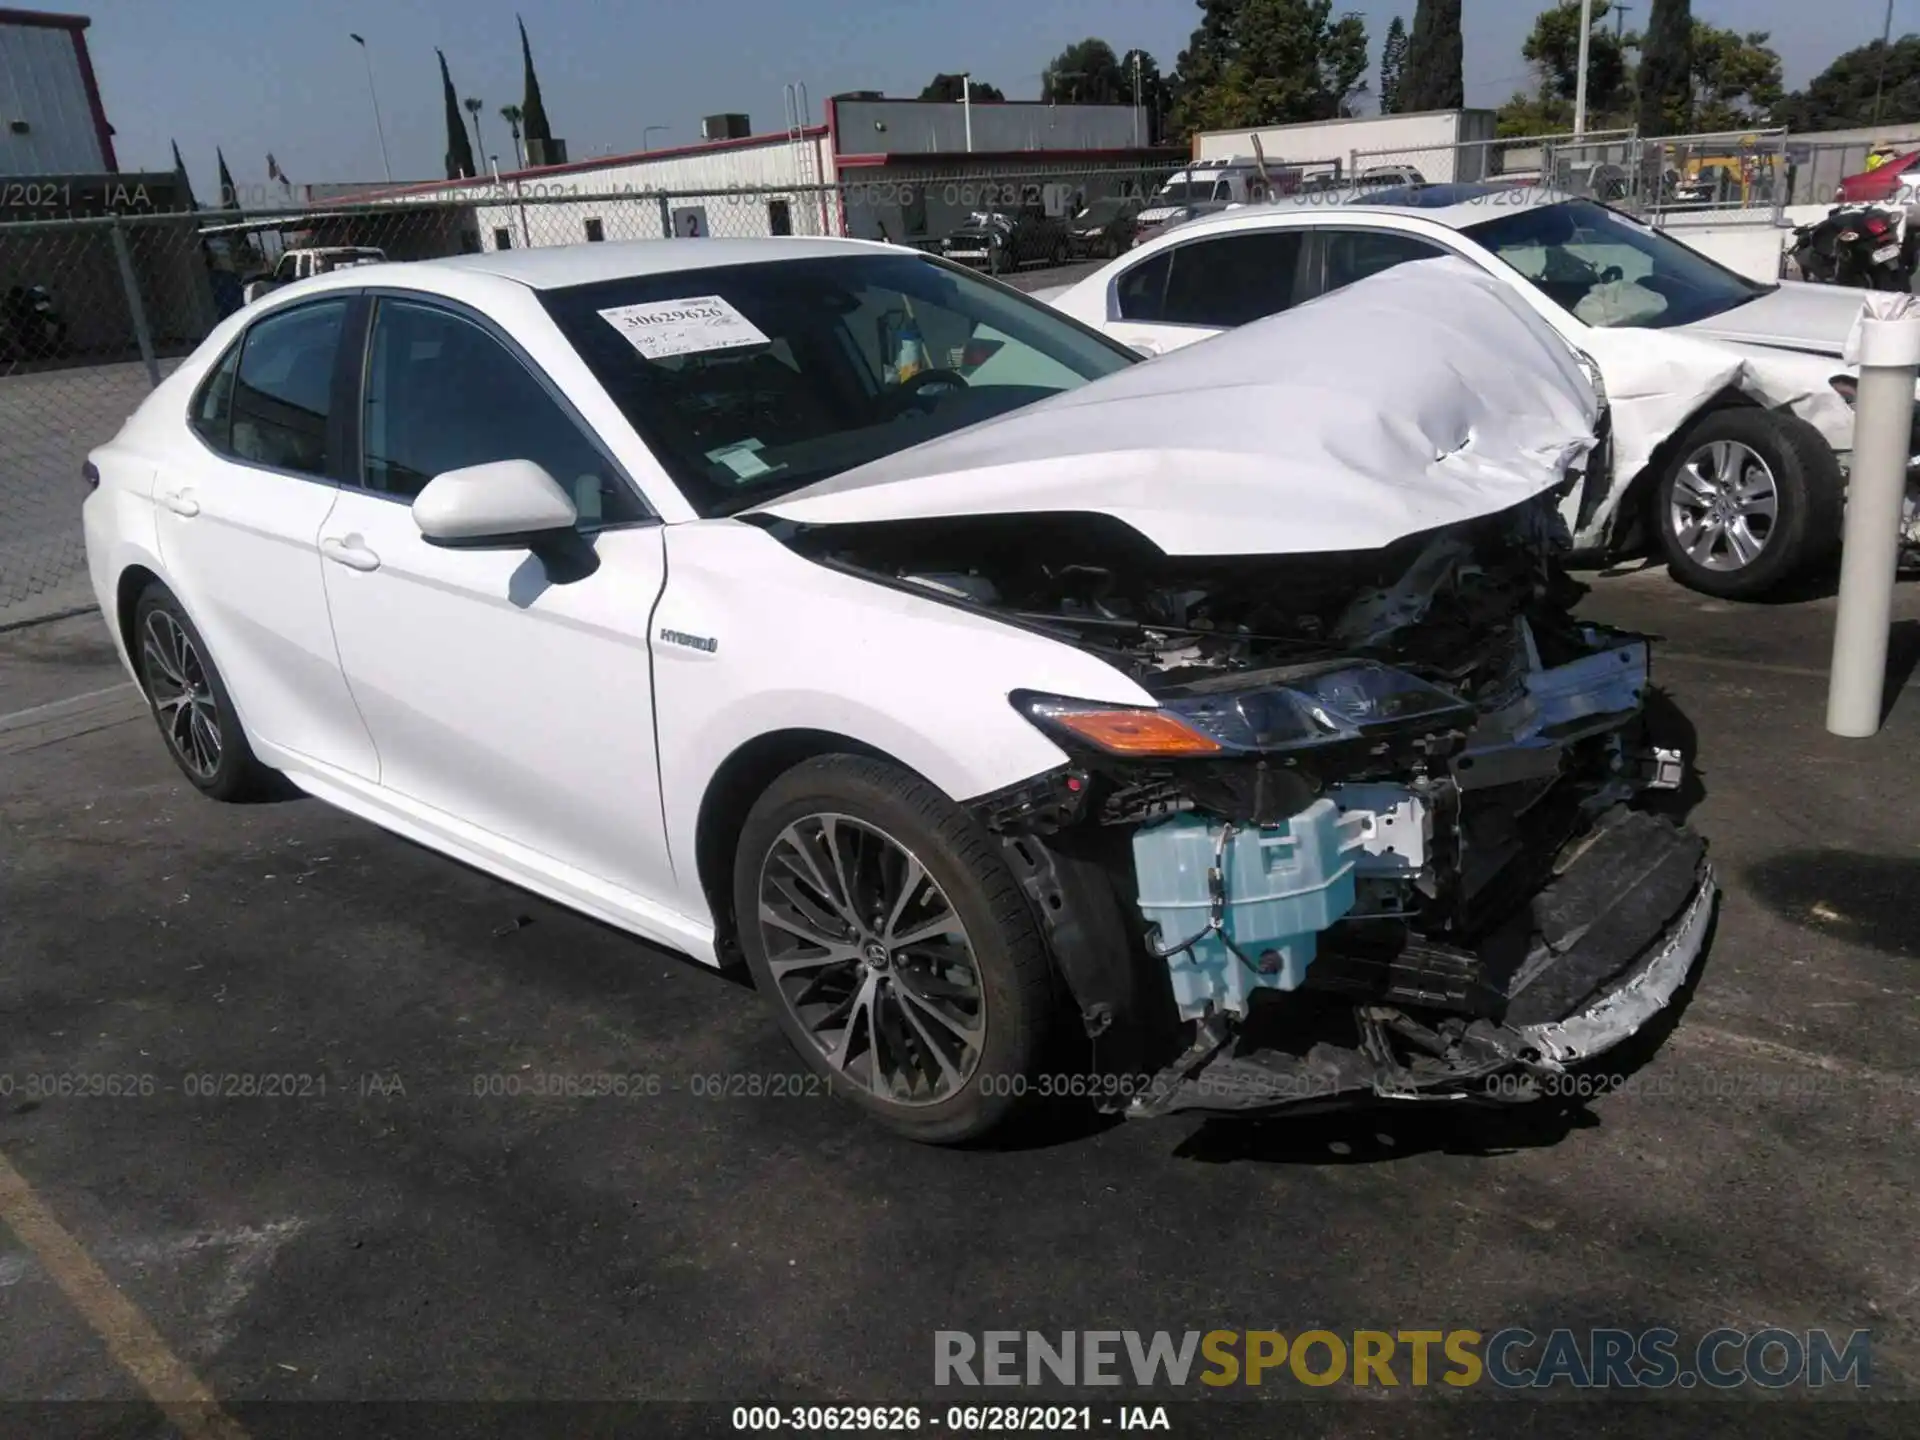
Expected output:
{"points": [[1291, 710]]}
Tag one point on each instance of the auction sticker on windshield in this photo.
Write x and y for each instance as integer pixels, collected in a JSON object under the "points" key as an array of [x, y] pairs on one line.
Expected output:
{"points": [[661, 329]]}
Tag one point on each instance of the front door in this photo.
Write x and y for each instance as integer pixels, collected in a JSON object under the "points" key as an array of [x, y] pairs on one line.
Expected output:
{"points": [[496, 697]]}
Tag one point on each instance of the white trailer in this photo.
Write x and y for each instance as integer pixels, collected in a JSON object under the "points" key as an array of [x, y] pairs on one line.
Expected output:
{"points": [[1427, 142]]}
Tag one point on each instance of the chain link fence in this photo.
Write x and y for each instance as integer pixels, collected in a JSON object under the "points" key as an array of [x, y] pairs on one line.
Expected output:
{"points": [[1744, 171], [97, 312]]}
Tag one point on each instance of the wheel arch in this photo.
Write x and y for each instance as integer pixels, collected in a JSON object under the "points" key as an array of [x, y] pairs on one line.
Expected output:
{"points": [[1636, 510], [735, 785], [128, 589]]}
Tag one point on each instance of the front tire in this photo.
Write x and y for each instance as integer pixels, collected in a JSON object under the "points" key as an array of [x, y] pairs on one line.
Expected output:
{"points": [[881, 923], [1749, 499], [189, 700]]}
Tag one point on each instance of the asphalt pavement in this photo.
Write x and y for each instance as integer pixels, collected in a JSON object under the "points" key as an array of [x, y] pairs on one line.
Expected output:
{"points": [[291, 1125]]}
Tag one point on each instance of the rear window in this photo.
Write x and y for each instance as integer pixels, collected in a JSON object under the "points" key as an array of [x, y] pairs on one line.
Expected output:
{"points": [[750, 381]]}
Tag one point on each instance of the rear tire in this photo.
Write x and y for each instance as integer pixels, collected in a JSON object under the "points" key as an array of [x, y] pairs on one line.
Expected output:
{"points": [[1749, 499], [190, 702], [901, 958]]}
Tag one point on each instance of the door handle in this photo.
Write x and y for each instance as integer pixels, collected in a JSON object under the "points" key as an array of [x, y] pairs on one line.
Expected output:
{"points": [[349, 552], [181, 502]]}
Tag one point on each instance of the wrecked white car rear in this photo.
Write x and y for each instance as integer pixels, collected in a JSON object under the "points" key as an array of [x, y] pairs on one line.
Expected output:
{"points": [[1730, 406], [1366, 822]]}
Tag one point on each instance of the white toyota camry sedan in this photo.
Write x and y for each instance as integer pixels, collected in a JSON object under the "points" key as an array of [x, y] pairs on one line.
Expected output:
{"points": [[823, 606]]}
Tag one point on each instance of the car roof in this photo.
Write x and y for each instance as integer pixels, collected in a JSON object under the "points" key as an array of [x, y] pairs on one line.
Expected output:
{"points": [[553, 267], [1455, 206]]}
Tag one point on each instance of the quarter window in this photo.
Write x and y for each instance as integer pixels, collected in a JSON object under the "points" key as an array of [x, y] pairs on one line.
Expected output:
{"points": [[1141, 290], [282, 391], [443, 394], [212, 414]]}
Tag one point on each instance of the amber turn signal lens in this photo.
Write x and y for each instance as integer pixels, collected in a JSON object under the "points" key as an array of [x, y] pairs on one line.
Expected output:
{"points": [[1136, 732]]}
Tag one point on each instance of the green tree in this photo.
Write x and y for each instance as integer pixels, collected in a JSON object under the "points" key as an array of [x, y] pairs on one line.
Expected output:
{"points": [[1665, 77], [1085, 73], [1841, 96], [459, 145], [1736, 78], [947, 87], [187, 202], [533, 110], [1269, 62], [1552, 49], [1433, 77], [229, 196], [1393, 61]]}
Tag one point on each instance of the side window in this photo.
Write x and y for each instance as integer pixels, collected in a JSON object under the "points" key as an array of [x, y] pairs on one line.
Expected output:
{"points": [[1233, 279], [282, 392], [443, 394], [284, 270], [1355, 254], [212, 412], [1139, 291]]}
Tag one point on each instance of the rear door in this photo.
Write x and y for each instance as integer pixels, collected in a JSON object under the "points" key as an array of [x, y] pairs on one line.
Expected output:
{"points": [[500, 696], [238, 520], [1190, 291]]}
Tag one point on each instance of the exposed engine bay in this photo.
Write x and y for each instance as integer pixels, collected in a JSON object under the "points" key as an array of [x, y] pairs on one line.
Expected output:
{"points": [[1376, 836]]}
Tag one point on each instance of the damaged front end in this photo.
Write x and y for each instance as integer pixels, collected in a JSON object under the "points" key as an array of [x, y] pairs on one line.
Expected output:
{"points": [[1375, 836]]}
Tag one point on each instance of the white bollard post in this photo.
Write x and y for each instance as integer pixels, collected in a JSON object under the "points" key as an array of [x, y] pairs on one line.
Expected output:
{"points": [[1888, 352]]}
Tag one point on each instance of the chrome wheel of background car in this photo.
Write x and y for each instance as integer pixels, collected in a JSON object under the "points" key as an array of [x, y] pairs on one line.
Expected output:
{"points": [[1724, 504], [870, 957], [181, 692]]}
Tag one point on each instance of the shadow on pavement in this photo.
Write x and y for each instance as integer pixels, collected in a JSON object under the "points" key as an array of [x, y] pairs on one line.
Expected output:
{"points": [[1844, 894]]}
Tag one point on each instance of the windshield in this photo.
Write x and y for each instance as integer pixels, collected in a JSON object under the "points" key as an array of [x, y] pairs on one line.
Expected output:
{"points": [[1177, 192], [1608, 271], [749, 381], [1100, 212]]}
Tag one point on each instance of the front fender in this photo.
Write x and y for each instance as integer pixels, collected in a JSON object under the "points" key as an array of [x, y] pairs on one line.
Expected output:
{"points": [[751, 639]]}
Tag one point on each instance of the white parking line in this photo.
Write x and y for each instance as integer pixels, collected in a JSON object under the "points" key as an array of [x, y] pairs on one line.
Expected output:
{"points": [[55, 708]]}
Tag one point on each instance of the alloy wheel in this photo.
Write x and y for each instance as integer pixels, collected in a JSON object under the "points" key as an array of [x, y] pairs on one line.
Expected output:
{"points": [[182, 694], [1724, 505], [871, 958]]}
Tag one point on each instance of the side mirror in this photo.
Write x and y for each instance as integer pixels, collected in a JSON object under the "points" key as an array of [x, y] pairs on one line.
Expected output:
{"points": [[506, 504]]}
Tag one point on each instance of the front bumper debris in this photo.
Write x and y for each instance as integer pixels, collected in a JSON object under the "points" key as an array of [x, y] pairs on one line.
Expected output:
{"points": [[1612, 941]]}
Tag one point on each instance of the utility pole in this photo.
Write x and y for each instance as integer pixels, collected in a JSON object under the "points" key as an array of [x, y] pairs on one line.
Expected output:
{"points": [[1136, 99], [1880, 85], [966, 106], [1620, 20], [1580, 84]]}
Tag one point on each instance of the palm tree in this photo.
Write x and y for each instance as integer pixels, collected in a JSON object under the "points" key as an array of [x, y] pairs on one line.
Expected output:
{"points": [[474, 106], [512, 115]]}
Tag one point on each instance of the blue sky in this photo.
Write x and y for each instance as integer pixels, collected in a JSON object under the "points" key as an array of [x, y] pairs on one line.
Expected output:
{"points": [[285, 78]]}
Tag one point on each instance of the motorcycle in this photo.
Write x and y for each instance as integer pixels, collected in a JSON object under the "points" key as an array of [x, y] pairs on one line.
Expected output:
{"points": [[1862, 246], [31, 326]]}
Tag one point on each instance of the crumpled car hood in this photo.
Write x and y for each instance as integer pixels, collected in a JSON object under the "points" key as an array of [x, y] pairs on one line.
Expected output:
{"points": [[1421, 397], [1795, 316]]}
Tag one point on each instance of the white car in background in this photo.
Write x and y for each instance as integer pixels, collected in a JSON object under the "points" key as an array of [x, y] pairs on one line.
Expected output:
{"points": [[1731, 410], [821, 604]]}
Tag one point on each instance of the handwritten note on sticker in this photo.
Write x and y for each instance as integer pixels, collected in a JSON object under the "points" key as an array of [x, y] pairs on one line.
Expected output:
{"points": [[660, 329]]}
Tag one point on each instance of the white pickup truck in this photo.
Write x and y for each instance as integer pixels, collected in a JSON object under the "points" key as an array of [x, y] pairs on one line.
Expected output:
{"points": [[312, 260]]}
